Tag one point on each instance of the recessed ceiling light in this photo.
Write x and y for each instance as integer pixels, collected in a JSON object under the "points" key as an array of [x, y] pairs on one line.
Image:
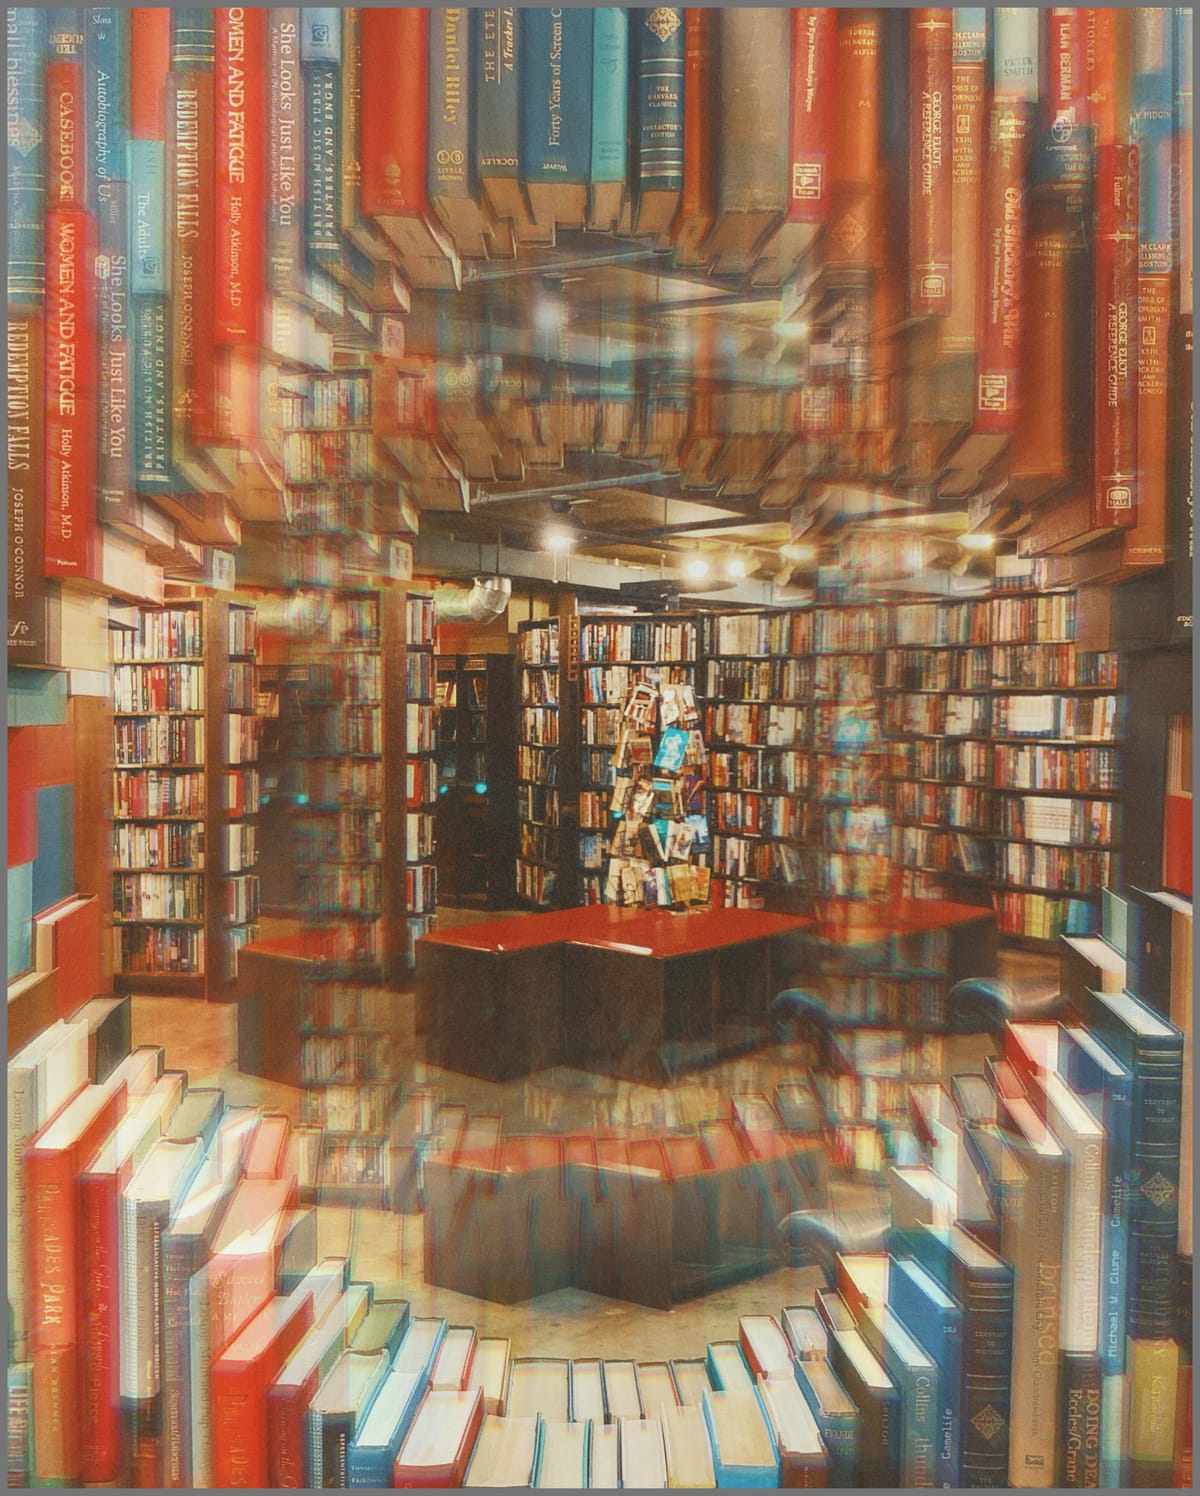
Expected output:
{"points": [[557, 538], [736, 568], [695, 568]]}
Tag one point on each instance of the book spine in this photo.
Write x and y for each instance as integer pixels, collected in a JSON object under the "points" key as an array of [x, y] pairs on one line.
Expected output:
{"points": [[1116, 314], [26, 157], [151, 398], [20, 1425], [286, 1416], [285, 151], [190, 106], [813, 119], [495, 90], [931, 163], [70, 512], [968, 91], [919, 1414], [1180, 533], [25, 409], [107, 30], [239, 1427], [1154, 1191], [199, 1364], [987, 1370], [239, 163], [22, 1111], [610, 89], [659, 48], [101, 1406], [1000, 288], [179, 1263], [321, 64], [1063, 153], [556, 89], [1153, 1395], [1080, 1420], [1036, 1251], [394, 121]]}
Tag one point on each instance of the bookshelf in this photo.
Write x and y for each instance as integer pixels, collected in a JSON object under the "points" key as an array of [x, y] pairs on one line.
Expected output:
{"points": [[420, 770], [185, 795], [538, 762], [756, 688], [477, 795]]}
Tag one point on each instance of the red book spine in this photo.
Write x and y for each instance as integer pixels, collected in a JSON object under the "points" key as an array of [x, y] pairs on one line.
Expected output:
{"points": [[56, 1294], [931, 162], [71, 435], [149, 64], [968, 106], [102, 1448], [287, 1414], [856, 155], [1116, 399], [1106, 72], [394, 121], [240, 1407], [240, 162], [999, 287], [193, 362], [813, 123], [696, 200]]}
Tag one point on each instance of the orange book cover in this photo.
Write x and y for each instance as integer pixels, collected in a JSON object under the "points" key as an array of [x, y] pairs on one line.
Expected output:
{"points": [[931, 161], [1116, 374], [240, 168]]}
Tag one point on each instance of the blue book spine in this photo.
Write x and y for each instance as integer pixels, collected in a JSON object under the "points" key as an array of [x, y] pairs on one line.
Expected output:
{"points": [[556, 95], [610, 93], [26, 156], [107, 92], [1152, 130], [1152, 1175], [321, 63], [842, 1432], [660, 51], [937, 1329]]}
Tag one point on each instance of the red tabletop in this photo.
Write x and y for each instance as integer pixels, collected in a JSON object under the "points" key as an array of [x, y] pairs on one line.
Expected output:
{"points": [[528, 931], [662, 933], [904, 917]]}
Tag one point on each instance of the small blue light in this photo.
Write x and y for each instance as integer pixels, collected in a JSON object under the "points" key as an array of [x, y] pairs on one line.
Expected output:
{"points": [[481, 787], [301, 799], [442, 788]]}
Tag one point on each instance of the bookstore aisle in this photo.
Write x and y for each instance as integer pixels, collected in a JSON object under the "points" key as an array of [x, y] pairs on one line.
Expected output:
{"points": [[599, 747]]}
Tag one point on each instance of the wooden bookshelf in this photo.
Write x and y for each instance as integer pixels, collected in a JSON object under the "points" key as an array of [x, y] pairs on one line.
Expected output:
{"points": [[539, 762], [185, 796]]}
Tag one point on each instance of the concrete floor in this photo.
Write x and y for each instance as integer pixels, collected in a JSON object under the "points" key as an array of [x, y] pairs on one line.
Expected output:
{"points": [[386, 1248]]}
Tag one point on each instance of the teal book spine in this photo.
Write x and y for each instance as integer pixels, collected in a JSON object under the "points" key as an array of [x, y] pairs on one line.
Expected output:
{"points": [[1152, 130], [841, 1431], [610, 93], [54, 865], [106, 91], [556, 95], [321, 67], [193, 38], [26, 157], [495, 75], [659, 61], [20, 919], [147, 217]]}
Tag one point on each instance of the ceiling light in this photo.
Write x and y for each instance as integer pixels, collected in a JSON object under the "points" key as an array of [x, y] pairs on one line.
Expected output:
{"points": [[557, 538], [735, 568], [695, 568], [977, 540], [798, 551]]}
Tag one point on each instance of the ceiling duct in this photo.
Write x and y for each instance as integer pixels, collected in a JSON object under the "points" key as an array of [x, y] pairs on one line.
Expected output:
{"points": [[484, 600]]}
